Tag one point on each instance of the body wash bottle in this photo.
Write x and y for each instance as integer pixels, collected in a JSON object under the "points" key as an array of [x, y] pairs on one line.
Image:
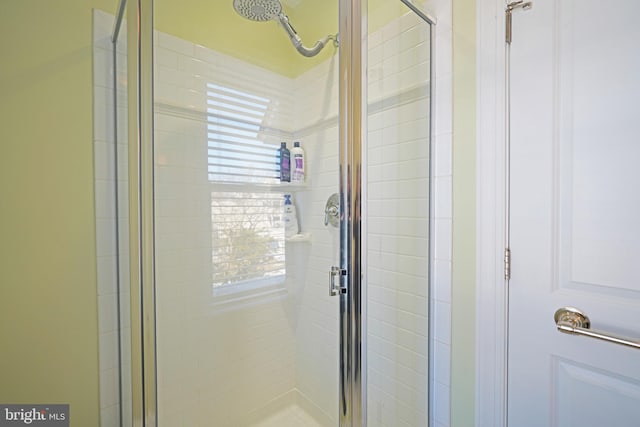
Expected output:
{"points": [[284, 159], [297, 163], [290, 219]]}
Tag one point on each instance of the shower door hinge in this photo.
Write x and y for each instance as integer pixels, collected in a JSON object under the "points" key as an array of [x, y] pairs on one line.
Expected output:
{"points": [[519, 4], [507, 263]]}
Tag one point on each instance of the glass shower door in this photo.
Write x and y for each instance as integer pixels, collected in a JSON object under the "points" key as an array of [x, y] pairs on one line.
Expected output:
{"points": [[398, 153], [246, 332]]}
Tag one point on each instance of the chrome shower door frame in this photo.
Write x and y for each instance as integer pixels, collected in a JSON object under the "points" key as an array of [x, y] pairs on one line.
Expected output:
{"points": [[352, 126], [352, 381], [141, 213]]}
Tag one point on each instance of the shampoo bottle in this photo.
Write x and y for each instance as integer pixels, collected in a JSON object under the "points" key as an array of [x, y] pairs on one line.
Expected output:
{"points": [[284, 159], [297, 163], [290, 219]]}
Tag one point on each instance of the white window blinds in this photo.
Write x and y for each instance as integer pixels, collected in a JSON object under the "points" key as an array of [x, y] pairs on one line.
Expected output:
{"points": [[236, 152], [248, 246]]}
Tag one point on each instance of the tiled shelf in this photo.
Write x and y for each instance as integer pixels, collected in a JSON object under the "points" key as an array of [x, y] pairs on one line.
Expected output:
{"points": [[299, 238]]}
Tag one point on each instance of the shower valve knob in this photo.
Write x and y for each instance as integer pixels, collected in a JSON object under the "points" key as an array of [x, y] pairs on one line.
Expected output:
{"points": [[332, 211]]}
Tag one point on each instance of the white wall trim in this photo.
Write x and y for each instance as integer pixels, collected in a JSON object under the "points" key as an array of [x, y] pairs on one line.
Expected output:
{"points": [[491, 309]]}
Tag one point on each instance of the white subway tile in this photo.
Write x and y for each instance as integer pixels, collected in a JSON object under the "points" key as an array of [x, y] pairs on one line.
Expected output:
{"points": [[412, 37], [102, 28], [207, 55], [442, 197], [175, 44], [121, 44], [409, 20], [108, 345], [443, 152], [108, 388], [103, 161], [105, 199], [444, 107], [391, 30], [103, 126], [110, 416], [108, 313], [102, 68], [193, 66], [441, 403], [106, 275], [105, 238], [391, 64], [391, 46], [165, 58], [442, 280], [375, 57], [442, 238], [442, 322], [442, 365], [443, 53]]}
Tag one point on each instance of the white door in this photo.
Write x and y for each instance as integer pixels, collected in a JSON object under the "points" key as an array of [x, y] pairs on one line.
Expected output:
{"points": [[575, 212]]}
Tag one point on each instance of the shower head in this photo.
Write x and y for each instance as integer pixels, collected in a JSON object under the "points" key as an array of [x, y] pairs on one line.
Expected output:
{"points": [[258, 10], [271, 10]]}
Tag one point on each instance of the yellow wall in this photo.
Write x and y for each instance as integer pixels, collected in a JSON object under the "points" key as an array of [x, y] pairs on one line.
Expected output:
{"points": [[381, 12], [464, 215], [48, 314]]}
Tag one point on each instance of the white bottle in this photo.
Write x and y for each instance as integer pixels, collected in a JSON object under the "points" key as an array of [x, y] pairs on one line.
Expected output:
{"points": [[297, 163], [290, 219]]}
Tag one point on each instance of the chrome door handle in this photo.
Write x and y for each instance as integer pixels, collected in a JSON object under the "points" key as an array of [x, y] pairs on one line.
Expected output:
{"points": [[570, 320], [335, 289]]}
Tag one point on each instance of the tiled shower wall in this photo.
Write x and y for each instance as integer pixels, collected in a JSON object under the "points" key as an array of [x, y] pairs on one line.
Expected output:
{"points": [[245, 347], [289, 343], [316, 104], [398, 63], [398, 223]]}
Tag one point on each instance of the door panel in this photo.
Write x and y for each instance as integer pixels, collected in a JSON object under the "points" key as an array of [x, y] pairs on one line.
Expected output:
{"points": [[246, 332], [575, 238], [597, 73], [579, 386]]}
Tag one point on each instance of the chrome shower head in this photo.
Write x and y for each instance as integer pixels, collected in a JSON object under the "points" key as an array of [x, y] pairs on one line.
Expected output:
{"points": [[271, 10], [258, 10]]}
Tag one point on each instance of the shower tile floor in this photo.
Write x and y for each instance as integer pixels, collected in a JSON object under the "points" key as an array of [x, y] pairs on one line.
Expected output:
{"points": [[291, 416]]}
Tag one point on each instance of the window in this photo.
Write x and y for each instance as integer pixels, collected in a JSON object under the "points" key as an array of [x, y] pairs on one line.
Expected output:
{"points": [[248, 239], [248, 247], [237, 154]]}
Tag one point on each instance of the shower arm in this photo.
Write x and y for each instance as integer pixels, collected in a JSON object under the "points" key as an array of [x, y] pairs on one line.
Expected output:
{"points": [[297, 41]]}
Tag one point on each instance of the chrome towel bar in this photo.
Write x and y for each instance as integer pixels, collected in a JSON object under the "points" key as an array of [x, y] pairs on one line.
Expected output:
{"points": [[570, 320]]}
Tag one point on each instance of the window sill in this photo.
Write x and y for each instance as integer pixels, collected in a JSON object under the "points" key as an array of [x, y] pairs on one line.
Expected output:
{"points": [[236, 297], [282, 187]]}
